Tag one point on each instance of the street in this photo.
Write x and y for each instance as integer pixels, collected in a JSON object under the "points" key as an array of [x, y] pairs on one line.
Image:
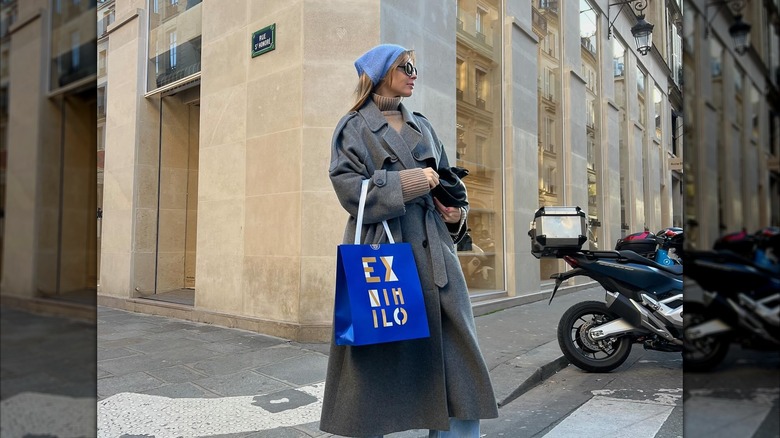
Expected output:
{"points": [[738, 398], [642, 398]]}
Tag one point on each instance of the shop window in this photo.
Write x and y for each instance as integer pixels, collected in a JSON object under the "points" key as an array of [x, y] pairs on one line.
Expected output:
{"points": [[479, 147]]}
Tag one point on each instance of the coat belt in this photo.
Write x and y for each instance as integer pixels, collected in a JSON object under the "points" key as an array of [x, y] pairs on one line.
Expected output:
{"points": [[432, 226]]}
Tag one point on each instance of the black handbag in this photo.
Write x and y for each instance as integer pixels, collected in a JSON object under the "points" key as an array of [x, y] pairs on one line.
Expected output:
{"points": [[451, 191]]}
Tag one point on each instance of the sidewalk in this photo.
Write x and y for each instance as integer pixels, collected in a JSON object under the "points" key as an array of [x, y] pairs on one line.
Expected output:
{"points": [[165, 377]]}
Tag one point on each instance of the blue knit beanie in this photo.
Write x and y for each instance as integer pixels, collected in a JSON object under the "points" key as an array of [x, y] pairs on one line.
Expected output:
{"points": [[377, 61]]}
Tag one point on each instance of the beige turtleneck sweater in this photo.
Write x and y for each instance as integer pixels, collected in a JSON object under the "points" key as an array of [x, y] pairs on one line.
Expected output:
{"points": [[413, 181]]}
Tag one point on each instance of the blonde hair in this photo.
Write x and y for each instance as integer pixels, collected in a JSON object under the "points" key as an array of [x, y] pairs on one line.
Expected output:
{"points": [[365, 87]]}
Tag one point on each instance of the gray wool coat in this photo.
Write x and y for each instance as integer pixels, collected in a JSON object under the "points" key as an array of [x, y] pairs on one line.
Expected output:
{"points": [[417, 384]]}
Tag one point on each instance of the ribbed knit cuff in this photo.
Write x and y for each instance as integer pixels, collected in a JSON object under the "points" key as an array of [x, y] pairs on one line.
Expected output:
{"points": [[413, 183]]}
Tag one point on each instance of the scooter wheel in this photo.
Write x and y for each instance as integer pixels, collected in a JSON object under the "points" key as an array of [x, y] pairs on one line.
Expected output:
{"points": [[584, 352], [705, 353]]}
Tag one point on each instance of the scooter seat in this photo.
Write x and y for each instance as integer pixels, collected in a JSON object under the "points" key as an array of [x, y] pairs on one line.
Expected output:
{"points": [[634, 257]]}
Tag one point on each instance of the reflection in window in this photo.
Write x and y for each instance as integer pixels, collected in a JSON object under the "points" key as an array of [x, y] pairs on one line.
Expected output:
{"points": [[479, 148], [547, 26], [658, 110], [619, 59], [641, 78], [174, 41], [738, 75], [754, 109], [73, 43], [172, 47], [716, 64], [589, 44]]}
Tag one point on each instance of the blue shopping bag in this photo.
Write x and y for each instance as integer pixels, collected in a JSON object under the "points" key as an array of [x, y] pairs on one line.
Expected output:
{"points": [[378, 293]]}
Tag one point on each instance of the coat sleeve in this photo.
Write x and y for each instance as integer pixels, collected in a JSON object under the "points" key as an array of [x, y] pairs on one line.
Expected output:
{"points": [[350, 165]]}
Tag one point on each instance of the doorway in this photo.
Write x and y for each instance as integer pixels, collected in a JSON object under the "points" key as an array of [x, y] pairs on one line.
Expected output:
{"points": [[177, 197], [66, 218]]}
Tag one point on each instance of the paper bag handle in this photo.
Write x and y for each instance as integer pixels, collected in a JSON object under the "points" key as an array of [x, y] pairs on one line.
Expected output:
{"points": [[361, 207]]}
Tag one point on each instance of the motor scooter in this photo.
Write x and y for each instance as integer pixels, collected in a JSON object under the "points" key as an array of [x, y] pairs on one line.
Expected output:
{"points": [[739, 303], [643, 302]]}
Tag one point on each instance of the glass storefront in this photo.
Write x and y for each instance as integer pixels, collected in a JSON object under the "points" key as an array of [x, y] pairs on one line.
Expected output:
{"points": [[174, 41], [589, 49], [73, 42], [479, 143], [547, 25]]}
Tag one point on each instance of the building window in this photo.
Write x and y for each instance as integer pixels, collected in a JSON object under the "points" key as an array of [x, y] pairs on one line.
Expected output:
{"points": [[738, 75], [641, 78], [75, 48], [101, 102], [460, 78], [480, 87], [172, 46], [548, 139], [102, 63], [177, 33], [755, 102], [73, 53], [658, 97]]}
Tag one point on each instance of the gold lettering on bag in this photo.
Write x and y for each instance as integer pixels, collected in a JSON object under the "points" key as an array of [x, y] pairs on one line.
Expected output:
{"points": [[385, 323], [399, 315], [395, 315], [367, 270], [389, 274], [373, 295], [398, 295]]}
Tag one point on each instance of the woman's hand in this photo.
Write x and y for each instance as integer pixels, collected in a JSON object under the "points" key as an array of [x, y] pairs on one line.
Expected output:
{"points": [[431, 176], [451, 215]]}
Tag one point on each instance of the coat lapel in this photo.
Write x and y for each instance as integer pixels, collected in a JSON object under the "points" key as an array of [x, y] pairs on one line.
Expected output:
{"points": [[412, 135], [405, 145]]}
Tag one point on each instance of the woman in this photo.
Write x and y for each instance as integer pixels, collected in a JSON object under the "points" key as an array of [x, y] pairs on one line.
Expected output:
{"points": [[439, 383]]}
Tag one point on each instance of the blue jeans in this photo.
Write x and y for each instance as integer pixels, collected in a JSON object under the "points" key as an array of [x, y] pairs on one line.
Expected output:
{"points": [[458, 429]]}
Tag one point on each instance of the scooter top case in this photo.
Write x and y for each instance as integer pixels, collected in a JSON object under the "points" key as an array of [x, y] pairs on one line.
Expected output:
{"points": [[557, 231]]}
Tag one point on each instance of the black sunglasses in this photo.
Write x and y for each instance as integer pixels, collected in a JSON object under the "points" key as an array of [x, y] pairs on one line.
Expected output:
{"points": [[409, 69]]}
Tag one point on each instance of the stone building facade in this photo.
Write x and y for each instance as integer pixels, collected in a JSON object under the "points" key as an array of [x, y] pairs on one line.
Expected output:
{"points": [[212, 188]]}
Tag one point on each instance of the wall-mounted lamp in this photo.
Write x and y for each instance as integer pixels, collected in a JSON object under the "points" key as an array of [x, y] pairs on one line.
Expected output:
{"points": [[642, 30], [739, 30]]}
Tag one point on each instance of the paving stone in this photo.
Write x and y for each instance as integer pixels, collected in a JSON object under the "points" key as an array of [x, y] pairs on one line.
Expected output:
{"points": [[242, 383], [135, 382], [246, 360], [114, 353], [226, 347], [157, 345], [156, 361], [181, 390], [123, 335], [139, 326], [302, 370], [282, 432], [258, 341], [123, 342], [177, 374]]}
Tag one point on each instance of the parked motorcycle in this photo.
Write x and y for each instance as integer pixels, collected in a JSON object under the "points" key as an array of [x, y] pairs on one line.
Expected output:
{"points": [[740, 302], [665, 247], [643, 302]]}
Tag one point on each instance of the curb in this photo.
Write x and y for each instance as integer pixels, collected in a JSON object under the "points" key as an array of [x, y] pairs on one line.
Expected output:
{"points": [[539, 375], [516, 376]]}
